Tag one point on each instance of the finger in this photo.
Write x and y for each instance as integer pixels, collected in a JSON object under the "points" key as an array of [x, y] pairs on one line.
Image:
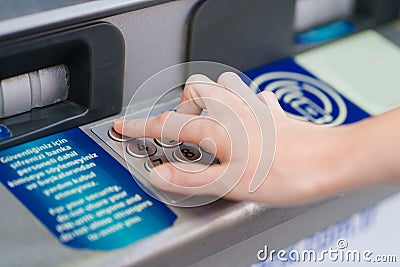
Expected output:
{"points": [[174, 126], [118, 124], [153, 127], [232, 81], [262, 125], [269, 98], [187, 179], [202, 93], [191, 102], [244, 96]]}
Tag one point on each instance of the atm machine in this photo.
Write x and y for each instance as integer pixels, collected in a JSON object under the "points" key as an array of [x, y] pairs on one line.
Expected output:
{"points": [[69, 194]]}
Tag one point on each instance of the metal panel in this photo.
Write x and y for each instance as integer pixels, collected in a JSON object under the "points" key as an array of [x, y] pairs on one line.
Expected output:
{"points": [[243, 34]]}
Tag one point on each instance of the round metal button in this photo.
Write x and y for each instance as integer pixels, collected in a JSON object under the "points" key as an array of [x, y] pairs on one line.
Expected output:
{"points": [[116, 136], [187, 153], [155, 161], [167, 143], [141, 148]]}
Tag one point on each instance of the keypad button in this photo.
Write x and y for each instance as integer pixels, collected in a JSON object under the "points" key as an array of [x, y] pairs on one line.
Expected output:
{"points": [[167, 143], [155, 161], [141, 148], [116, 136], [187, 153]]}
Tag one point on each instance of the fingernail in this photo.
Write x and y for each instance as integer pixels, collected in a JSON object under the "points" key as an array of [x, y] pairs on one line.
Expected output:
{"points": [[119, 121]]}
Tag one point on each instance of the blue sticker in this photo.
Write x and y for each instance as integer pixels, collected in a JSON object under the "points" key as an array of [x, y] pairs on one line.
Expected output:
{"points": [[303, 96], [82, 194], [326, 32], [4, 132]]}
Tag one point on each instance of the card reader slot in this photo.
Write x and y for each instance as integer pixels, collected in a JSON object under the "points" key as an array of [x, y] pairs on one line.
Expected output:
{"points": [[33, 90], [36, 120], [60, 80]]}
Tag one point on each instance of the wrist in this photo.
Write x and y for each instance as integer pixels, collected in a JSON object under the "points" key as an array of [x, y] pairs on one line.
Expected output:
{"points": [[362, 166], [340, 159]]}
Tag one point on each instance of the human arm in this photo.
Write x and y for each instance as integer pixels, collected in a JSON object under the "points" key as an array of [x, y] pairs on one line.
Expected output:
{"points": [[310, 162]]}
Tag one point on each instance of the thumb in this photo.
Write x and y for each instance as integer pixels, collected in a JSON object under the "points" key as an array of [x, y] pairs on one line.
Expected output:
{"points": [[188, 179]]}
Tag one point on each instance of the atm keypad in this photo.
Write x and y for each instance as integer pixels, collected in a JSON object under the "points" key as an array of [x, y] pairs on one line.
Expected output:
{"points": [[141, 148], [144, 154], [187, 153], [116, 136], [167, 143], [153, 149], [155, 161]]}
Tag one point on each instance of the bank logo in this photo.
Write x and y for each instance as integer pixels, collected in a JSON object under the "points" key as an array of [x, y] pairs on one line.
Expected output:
{"points": [[304, 97]]}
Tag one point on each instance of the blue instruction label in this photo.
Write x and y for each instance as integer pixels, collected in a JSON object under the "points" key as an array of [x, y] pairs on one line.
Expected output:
{"points": [[82, 194], [303, 96]]}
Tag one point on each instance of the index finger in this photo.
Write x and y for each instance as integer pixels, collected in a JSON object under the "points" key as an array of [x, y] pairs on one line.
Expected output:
{"points": [[173, 126], [202, 93]]}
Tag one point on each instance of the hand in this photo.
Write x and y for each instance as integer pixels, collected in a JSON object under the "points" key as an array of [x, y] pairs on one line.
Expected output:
{"points": [[248, 134]]}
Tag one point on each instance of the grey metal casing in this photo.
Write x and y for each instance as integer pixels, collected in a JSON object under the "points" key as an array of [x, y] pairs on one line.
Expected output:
{"points": [[154, 39]]}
